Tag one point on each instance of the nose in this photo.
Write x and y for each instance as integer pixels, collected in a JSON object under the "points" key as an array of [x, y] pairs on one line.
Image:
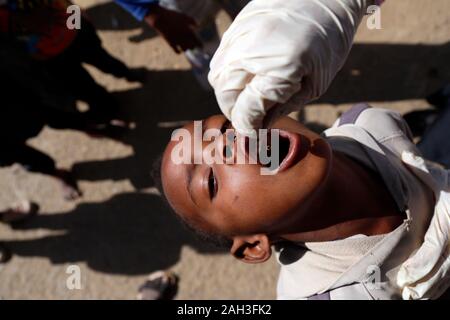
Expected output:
{"points": [[229, 148], [239, 149], [223, 149]]}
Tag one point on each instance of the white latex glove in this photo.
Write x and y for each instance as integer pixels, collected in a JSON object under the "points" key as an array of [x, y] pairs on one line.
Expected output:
{"points": [[278, 55], [426, 274]]}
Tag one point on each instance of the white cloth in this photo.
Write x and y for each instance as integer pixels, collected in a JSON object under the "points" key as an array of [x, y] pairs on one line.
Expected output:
{"points": [[278, 55], [427, 273], [321, 265]]}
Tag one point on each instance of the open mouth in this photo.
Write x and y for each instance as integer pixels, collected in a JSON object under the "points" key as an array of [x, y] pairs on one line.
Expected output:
{"points": [[290, 144], [288, 149]]}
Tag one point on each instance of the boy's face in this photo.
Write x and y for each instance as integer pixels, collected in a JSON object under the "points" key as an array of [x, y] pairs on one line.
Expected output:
{"points": [[236, 199]]}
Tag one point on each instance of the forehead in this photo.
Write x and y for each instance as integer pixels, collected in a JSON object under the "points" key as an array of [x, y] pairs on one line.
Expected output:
{"points": [[175, 176], [174, 181]]}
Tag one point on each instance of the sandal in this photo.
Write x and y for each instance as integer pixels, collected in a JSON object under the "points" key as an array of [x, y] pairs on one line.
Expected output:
{"points": [[160, 285]]}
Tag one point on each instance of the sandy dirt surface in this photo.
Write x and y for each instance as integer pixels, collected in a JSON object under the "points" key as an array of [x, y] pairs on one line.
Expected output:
{"points": [[120, 230]]}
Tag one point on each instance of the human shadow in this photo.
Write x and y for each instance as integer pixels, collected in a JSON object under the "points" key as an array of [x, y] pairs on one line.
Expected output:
{"points": [[390, 72], [131, 233], [111, 17]]}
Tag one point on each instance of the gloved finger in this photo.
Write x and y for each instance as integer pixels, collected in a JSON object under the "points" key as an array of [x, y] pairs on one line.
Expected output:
{"points": [[258, 97], [228, 86]]}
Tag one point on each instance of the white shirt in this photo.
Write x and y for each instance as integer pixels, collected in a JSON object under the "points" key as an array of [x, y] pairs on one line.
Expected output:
{"points": [[377, 138]]}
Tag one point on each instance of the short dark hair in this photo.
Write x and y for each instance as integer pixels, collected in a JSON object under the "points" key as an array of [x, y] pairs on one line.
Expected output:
{"points": [[216, 239]]}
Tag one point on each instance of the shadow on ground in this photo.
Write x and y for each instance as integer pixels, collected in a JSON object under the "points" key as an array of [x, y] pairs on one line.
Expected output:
{"points": [[132, 233]]}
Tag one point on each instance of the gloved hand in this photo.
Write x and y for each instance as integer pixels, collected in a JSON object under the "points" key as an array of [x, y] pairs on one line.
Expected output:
{"points": [[278, 55], [426, 274]]}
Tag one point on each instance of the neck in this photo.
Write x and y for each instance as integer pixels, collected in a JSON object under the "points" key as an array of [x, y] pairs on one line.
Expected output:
{"points": [[351, 202]]}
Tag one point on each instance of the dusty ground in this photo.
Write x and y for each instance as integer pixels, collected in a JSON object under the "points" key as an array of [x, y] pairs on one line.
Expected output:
{"points": [[119, 231]]}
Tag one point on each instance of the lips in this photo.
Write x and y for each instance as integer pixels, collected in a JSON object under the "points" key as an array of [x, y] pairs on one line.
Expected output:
{"points": [[290, 144]]}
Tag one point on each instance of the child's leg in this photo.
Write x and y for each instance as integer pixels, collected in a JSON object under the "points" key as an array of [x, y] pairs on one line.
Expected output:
{"points": [[204, 13]]}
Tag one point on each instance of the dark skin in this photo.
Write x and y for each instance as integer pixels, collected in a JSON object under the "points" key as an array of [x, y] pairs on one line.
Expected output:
{"points": [[176, 28], [320, 196]]}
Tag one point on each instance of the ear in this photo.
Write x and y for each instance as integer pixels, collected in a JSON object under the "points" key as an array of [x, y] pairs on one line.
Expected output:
{"points": [[251, 249]]}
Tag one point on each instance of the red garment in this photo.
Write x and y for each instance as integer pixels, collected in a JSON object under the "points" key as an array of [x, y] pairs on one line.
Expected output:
{"points": [[40, 25]]}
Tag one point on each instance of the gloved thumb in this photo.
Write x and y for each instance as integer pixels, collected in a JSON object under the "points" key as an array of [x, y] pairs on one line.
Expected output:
{"points": [[260, 95]]}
